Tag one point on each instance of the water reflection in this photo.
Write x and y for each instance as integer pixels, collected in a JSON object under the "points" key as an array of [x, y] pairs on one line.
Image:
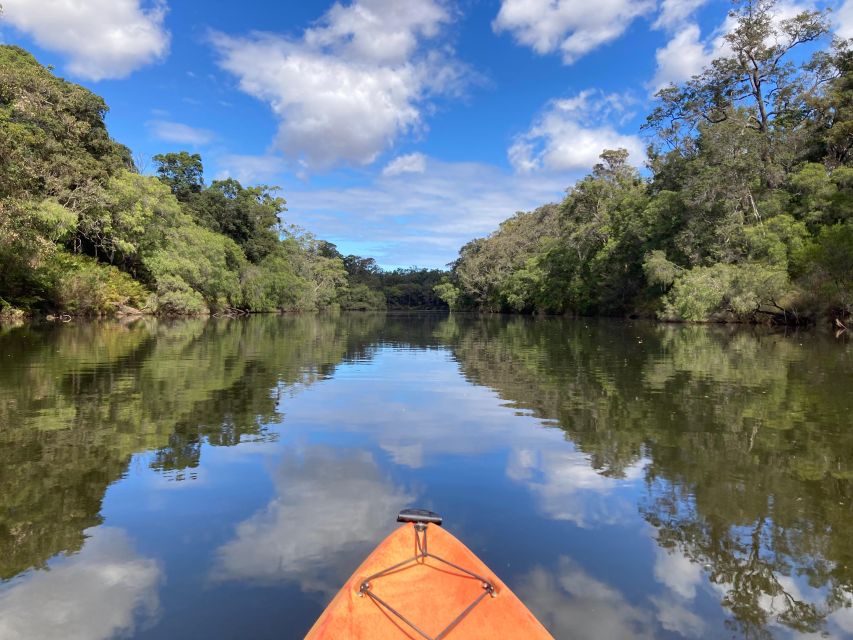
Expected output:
{"points": [[76, 402], [105, 590], [566, 487], [573, 604], [678, 481], [329, 507], [750, 468], [682, 577]]}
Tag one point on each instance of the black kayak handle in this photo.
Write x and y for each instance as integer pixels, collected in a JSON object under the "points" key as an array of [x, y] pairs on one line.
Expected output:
{"points": [[419, 515]]}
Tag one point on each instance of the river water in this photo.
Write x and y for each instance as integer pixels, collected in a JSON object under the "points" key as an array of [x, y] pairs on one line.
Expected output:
{"points": [[222, 478]]}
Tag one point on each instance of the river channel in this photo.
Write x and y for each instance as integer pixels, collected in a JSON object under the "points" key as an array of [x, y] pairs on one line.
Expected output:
{"points": [[221, 478]]}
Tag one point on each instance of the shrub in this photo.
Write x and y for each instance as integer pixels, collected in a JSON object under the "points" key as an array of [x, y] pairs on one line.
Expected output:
{"points": [[449, 293], [708, 293], [175, 297], [83, 286]]}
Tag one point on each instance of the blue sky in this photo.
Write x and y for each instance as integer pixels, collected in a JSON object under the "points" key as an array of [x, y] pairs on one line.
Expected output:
{"points": [[395, 128]]}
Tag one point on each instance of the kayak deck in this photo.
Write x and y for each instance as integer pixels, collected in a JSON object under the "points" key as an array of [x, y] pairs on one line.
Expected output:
{"points": [[415, 591]]}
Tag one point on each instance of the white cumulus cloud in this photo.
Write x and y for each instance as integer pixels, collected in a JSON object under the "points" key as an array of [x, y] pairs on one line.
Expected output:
{"points": [[684, 56], [674, 13], [573, 28], [180, 133], [102, 38], [572, 132], [379, 31], [409, 163], [844, 20], [349, 87]]}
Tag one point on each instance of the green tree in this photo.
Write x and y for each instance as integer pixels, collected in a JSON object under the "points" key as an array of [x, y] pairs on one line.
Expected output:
{"points": [[328, 249], [448, 292], [247, 215], [275, 283], [596, 261], [137, 211], [195, 266], [360, 297], [359, 270], [755, 81], [749, 160], [182, 172], [411, 288], [822, 196]]}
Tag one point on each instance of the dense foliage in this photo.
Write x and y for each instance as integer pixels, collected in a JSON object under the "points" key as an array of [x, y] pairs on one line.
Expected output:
{"points": [[83, 232], [745, 213]]}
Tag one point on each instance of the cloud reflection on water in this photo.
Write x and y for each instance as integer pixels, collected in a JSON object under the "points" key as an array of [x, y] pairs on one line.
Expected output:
{"points": [[573, 604], [430, 416], [104, 590], [681, 577], [329, 507], [678, 572], [566, 487]]}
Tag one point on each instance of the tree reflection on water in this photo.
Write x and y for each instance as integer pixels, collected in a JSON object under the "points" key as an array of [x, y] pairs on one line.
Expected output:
{"points": [[740, 438], [746, 434]]}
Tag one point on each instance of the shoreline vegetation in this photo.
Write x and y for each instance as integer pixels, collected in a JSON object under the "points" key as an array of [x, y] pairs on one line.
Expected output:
{"points": [[743, 212]]}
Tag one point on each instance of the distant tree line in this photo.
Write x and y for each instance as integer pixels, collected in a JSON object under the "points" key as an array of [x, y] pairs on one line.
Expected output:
{"points": [[745, 211], [371, 287]]}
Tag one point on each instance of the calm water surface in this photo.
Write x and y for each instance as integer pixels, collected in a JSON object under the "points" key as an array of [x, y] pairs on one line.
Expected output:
{"points": [[221, 479]]}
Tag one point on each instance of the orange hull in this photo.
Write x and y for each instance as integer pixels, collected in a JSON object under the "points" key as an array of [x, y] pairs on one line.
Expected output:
{"points": [[429, 593]]}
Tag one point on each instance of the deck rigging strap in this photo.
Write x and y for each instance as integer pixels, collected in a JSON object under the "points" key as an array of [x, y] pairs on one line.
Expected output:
{"points": [[422, 552]]}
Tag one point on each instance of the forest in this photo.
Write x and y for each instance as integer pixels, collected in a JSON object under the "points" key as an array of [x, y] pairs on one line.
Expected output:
{"points": [[743, 211], [84, 232]]}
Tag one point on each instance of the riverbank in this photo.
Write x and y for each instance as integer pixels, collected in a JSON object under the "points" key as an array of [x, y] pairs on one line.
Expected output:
{"points": [[17, 317]]}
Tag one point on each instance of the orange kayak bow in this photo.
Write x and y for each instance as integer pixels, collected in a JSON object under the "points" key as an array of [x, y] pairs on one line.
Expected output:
{"points": [[422, 583]]}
